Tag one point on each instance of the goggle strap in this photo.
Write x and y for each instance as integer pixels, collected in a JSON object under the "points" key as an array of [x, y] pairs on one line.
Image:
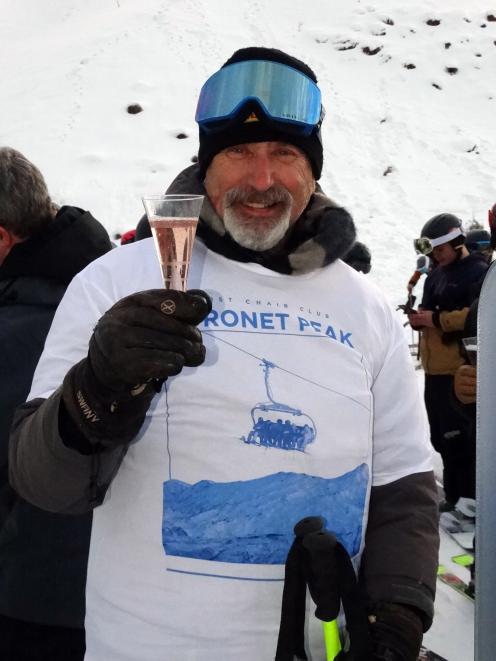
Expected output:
{"points": [[438, 241]]}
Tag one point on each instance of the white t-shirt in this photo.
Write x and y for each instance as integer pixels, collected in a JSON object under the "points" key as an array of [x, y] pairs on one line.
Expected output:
{"points": [[306, 399]]}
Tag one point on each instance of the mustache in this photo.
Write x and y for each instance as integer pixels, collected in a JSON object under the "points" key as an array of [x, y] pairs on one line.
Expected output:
{"points": [[248, 195]]}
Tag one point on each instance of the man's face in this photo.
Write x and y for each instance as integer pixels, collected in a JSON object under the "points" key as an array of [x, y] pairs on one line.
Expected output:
{"points": [[444, 254], [259, 190]]}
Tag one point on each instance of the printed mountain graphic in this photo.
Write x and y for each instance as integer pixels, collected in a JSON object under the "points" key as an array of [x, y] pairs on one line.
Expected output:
{"points": [[251, 522]]}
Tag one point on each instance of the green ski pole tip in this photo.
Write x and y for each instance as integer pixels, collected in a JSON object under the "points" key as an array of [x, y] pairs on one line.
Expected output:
{"points": [[331, 639]]}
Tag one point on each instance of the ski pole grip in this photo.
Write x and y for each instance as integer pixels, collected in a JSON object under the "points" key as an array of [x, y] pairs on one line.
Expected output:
{"points": [[322, 574], [309, 525]]}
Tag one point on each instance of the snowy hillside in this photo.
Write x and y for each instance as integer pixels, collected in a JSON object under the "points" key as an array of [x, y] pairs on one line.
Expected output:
{"points": [[409, 92]]}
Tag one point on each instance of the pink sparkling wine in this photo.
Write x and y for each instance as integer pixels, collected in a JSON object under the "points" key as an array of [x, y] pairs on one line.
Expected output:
{"points": [[174, 243]]}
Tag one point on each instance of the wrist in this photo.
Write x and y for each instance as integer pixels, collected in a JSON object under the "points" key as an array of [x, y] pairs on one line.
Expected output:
{"points": [[435, 318], [396, 632], [104, 415]]}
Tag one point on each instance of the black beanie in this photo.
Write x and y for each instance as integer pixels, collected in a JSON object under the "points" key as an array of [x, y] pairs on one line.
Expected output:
{"points": [[263, 130]]}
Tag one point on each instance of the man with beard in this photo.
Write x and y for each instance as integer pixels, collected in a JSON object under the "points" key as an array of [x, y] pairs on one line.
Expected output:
{"points": [[163, 394]]}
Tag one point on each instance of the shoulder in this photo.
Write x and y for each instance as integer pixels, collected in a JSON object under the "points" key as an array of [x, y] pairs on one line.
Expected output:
{"points": [[133, 257], [474, 264], [360, 286], [122, 271], [365, 304]]}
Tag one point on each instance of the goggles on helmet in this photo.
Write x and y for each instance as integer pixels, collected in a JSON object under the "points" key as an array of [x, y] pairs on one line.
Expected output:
{"points": [[425, 245], [284, 95]]}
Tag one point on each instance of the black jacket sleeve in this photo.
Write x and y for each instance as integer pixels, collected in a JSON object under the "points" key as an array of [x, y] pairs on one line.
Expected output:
{"points": [[47, 473], [400, 559]]}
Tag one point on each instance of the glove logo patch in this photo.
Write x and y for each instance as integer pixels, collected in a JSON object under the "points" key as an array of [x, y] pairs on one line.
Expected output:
{"points": [[168, 306], [88, 412]]}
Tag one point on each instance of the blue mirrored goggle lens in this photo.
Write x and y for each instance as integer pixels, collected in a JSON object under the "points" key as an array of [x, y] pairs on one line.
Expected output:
{"points": [[284, 94]]}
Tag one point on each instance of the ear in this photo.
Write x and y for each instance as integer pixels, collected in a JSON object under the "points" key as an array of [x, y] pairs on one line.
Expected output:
{"points": [[7, 241]]}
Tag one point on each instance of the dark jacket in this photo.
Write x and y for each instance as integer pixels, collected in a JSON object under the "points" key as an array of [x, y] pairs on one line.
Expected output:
{"points": [[455, 286], [400, 557], [42, 556], [449, 292]]}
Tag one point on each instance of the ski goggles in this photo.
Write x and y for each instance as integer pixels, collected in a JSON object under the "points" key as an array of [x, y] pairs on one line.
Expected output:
{"points": [[425, 245], [481, 245], [284, 95]]}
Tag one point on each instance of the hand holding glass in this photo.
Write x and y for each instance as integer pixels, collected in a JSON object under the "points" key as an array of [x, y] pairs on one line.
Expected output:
{"points": [[173, 220]]}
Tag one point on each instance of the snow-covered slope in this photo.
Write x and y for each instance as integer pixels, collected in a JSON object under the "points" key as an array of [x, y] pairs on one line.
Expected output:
{"points": [[409, 90], [69, 70]]}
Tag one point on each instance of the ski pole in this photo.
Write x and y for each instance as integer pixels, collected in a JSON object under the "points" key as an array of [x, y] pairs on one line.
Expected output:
{"points": [[291, 639], [332, 640], [332, 581], [317, 560]]}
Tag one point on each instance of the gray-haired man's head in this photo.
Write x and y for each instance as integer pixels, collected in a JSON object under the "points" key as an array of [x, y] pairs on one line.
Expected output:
{"points": [[25, 204]]}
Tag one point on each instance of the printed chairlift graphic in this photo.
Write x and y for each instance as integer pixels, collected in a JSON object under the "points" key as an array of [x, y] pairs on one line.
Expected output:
{"points": [[278, 425], [249, 521]]}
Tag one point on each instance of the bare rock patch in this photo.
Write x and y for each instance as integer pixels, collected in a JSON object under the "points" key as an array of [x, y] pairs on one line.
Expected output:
{"points": [[134, 108]]}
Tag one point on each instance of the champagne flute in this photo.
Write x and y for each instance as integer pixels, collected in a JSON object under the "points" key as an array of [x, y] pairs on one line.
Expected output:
{"points": [[173, 220]]}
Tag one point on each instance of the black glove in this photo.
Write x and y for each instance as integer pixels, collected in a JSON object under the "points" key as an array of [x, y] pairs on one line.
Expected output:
{"points": [[396, 632], [143, 339]]}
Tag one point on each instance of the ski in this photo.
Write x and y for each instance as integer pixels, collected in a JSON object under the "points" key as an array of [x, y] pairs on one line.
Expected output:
{"points": [[464, 539], [455, 582], [459, 527], [428, 655], [463, 559]]}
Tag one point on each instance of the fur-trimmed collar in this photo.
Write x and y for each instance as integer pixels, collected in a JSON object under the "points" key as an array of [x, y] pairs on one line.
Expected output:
{"points": [[323, 233]]}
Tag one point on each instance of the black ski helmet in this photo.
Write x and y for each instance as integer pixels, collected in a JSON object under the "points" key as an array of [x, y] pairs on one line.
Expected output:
{"points": [[440, 229], [477, 239]]}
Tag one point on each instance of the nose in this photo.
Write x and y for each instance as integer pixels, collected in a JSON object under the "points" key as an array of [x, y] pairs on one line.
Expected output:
{"points": [[262, 172]]}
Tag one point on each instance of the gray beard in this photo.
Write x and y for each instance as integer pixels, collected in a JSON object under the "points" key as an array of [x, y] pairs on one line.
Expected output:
{"points": [[253, 235], [250, 236]]}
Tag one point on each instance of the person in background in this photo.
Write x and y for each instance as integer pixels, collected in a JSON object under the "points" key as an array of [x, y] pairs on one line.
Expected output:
{"points": [[42, 556], [479, 240], [359, 257], [491, 219], [423, 267], [155, 392], [128, 237], [465, 380], [448, 293]]}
